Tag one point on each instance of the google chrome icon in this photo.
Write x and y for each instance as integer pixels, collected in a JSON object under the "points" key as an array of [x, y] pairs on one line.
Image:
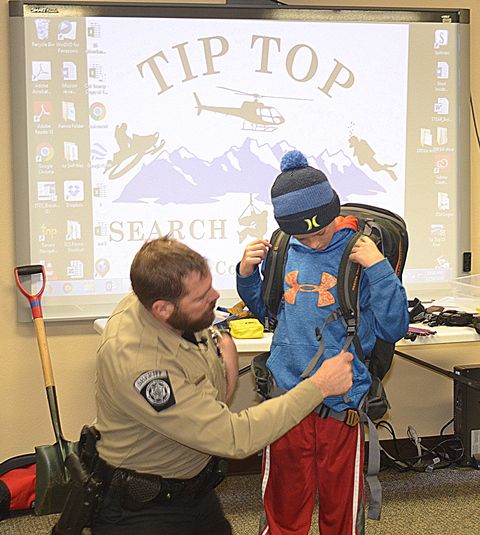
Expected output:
{"points": [[45, 152], [97, 111]]}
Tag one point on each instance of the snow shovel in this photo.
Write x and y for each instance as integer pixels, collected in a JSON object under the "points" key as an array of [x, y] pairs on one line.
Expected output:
{"points": [[53, 481]]}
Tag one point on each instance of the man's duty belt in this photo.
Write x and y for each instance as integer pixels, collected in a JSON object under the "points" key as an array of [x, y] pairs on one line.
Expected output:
{"points": [[139, 490]]}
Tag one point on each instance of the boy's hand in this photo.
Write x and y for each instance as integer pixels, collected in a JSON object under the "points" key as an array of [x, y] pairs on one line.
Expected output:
{"points": [[253, 255], [365, 252]]}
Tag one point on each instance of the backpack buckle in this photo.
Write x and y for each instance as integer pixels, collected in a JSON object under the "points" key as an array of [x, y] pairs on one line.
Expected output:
{"points": [[352, 417], [351, 326]]}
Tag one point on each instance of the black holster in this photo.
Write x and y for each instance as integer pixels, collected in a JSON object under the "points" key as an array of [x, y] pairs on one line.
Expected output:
{"points": [[86, 489], [263, 378]]}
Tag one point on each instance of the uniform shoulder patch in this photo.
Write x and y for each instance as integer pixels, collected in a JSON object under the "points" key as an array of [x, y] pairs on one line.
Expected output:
{"points": [[156, 388]]}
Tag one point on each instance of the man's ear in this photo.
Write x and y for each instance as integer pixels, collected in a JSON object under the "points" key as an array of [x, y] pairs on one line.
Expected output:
{"points": [[162, 310]]}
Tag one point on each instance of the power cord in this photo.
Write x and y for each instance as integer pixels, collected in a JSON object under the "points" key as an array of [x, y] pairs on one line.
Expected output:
{"points": [[445, 426], [445, 453], [474, 120], [415, 439]]}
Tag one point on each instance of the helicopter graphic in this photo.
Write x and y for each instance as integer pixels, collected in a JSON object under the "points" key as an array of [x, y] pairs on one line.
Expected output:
{"points": [[256, 115]]}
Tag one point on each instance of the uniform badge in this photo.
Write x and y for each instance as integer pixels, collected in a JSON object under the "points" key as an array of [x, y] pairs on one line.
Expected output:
{"points": [[156, 388]]}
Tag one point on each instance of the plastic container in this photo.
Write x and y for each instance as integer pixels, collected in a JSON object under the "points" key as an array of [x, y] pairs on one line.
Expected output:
{"points": [[468, 286]]}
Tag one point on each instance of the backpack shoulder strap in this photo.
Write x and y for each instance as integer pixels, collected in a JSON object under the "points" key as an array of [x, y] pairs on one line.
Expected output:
{"points": [[272, 289], [348, 286]]}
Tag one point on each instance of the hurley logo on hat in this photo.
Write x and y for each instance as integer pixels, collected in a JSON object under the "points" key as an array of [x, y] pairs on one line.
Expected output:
{"points": [[302, 198]]}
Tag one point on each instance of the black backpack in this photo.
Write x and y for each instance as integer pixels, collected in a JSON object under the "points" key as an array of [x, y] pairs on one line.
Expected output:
{"points": [[389, 232]]}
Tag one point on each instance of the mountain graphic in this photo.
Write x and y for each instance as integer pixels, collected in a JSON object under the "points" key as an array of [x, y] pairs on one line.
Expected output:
{"points": [[181, 177]]}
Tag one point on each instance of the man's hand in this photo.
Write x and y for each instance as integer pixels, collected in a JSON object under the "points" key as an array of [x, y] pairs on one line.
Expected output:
{"points": [[365, 252], [253, 255], [334, 377]]}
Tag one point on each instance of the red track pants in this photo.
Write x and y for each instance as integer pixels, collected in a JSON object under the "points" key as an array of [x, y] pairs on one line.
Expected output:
{"points": [[318, 455]]}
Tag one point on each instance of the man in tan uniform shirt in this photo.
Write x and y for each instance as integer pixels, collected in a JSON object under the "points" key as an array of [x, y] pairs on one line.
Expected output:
{"points": [[162, 387]]}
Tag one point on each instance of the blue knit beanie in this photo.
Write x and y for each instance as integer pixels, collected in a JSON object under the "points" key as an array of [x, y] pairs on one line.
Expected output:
{"points": [[302, 198]]}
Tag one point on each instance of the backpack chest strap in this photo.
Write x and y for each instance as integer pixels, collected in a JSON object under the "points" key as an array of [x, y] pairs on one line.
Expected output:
{"points": [[351, 337]]}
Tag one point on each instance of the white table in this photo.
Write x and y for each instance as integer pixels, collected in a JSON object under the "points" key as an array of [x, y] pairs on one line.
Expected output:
{"points": [[444, 335]]}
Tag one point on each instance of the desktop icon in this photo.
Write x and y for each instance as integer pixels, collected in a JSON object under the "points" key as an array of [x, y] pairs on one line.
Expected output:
{"points": [[75, 269], [102, 266], [100, 191], [44, 152], [441, 163], [438, 231], [98, 111], [41, 27], [426, 138], [41, 111], [67, 29], [73, 190], [74, 230], [46, 191], [47, 233], [441, 106], [100, 229], [70, 151], [98, 152], [93, 30], [96, 71], [49, 270], [441, 38], [443, 263], [442, 70], [69, 71], [41, 71], [67, 287], [442, 135], [68, 111], [443, 201]]}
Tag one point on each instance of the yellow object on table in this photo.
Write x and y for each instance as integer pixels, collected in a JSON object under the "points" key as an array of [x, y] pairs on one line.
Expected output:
{"points": [[246, 328]]}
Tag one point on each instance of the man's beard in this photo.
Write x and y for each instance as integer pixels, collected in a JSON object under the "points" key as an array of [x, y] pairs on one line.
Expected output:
{"points": [[182, 322]]}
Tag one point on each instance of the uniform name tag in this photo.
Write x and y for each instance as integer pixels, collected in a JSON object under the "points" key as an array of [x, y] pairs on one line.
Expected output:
{"points": [[156, 388]]}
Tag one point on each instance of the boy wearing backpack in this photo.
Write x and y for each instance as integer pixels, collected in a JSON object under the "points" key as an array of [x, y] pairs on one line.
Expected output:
{"points": [[324, 453]]}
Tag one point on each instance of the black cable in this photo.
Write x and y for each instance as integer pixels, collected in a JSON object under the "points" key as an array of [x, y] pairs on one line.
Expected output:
{"points": [[474, 120], [441, 455], [454, 439], [389, 427], [249, 3], [441, 452], [445, 426], [398, 463]]}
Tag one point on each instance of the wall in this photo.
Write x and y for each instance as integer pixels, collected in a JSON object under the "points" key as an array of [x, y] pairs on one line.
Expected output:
{"points": [[24, 417]]}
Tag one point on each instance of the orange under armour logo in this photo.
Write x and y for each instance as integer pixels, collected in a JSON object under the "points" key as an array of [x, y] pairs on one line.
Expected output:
{"points": [[325, 298]]}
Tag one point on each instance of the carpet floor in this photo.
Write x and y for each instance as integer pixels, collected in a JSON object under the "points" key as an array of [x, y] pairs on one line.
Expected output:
{"points": [[443, 502]]}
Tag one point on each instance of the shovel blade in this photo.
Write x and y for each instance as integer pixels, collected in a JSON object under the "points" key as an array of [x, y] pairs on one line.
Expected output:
{"points": [[52, 483]]}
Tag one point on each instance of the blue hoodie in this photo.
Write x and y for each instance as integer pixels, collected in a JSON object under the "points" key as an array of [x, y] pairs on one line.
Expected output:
{"points": [[310, 296]]}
